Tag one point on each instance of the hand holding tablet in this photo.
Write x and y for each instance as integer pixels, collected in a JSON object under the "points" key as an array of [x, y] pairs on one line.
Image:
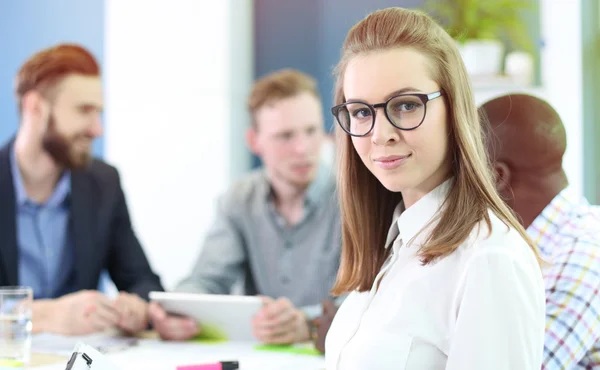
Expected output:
{"points": [[279, 322], [225, 317], [169, 326]]}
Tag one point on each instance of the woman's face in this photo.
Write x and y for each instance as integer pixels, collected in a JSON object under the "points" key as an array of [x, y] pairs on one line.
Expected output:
{"points": [[412, 162]]}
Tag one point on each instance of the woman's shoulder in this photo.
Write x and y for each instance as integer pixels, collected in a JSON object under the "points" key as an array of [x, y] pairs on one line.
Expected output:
{"points": [[498, 238]]}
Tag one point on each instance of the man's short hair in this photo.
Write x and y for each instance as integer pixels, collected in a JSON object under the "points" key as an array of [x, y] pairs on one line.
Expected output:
{"points": [[43, 70], [279, 85]]}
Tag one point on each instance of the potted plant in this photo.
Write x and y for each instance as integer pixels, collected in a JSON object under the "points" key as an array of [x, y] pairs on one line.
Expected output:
{"points": [[480, 26]]}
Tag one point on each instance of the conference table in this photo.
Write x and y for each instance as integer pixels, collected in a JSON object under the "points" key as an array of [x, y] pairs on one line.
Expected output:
{"points": [[152, 353]]}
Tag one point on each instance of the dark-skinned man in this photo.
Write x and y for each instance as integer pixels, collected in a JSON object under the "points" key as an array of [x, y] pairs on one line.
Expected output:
{"points": [[527, 143]]}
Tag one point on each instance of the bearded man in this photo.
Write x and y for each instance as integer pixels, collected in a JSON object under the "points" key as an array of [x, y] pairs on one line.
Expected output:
{"points": [[63, 215]]}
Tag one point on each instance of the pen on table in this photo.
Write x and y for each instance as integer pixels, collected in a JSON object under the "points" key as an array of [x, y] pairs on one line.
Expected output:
{"points": [[221, 365]]}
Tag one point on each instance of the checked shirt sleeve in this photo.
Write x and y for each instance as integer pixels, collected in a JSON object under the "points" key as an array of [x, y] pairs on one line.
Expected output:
{"points": [[573, 306]]}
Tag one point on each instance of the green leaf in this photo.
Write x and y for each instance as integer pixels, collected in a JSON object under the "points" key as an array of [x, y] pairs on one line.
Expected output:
{"points": [[465, 19]]}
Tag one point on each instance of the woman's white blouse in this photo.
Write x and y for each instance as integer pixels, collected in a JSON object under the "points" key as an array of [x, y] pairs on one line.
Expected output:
{"points": [[480, 308]]}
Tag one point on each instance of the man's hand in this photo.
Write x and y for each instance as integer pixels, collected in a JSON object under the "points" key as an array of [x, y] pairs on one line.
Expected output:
{"points": [[133, 312], [171, 327], [323, 322], [279, 322], [79, 313]]}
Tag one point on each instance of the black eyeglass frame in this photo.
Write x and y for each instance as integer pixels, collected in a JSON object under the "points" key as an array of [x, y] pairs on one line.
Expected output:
{"points": [[425, 98]]}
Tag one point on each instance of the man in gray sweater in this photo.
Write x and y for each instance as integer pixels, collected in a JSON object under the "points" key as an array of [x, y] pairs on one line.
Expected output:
{"points": [[278, 228]]}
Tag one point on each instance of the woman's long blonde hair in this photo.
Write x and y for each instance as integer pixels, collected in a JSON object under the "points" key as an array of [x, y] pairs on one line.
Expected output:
{"points": [[366, 206]]}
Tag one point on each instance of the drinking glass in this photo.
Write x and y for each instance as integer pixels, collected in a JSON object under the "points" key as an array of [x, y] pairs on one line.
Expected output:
{"points": [[15, 326]]}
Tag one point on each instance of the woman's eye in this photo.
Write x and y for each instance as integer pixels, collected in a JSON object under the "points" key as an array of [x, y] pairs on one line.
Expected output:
{"points": [[361, 113], [406, 107]]}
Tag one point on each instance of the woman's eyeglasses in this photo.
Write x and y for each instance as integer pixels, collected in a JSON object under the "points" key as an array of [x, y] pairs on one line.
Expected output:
{"points": [[404, 111]]}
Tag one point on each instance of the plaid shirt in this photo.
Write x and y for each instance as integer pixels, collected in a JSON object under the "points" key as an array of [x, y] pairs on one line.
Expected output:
{"points": [[567, 233]]}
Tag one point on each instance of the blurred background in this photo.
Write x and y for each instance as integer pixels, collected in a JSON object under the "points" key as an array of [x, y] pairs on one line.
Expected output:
{"points": [[177, 72]]}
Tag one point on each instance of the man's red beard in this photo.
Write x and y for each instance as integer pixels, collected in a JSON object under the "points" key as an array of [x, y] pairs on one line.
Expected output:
{"points": [[61, 148]]}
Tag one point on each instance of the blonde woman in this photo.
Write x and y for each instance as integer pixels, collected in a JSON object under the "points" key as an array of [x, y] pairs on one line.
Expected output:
{"points": [[454, 283]]}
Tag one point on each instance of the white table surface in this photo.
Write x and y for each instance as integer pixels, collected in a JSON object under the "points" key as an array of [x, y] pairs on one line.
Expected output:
{"points": [[154, 354]]}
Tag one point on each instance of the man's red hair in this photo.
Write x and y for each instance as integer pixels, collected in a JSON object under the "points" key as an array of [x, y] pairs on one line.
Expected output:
{"points": [[43, 70]]}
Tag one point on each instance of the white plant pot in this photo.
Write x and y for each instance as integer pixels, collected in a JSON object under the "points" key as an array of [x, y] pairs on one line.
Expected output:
{"points": [[519, 66], [482, 57]]}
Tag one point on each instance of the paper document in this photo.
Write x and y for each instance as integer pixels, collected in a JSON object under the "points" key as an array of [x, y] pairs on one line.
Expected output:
{"points": [[63, 345], [164, 355]]}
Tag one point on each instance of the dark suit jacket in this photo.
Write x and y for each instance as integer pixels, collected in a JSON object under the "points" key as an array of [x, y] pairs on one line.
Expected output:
{"points": [[99, 227]]}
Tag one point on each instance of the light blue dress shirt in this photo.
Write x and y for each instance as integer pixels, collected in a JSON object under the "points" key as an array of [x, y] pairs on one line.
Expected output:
{"points": [[45, 249]]}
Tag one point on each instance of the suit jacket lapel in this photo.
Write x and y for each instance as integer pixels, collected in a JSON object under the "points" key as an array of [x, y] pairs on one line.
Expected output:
{"points": [[82, 226], [8, 224]]}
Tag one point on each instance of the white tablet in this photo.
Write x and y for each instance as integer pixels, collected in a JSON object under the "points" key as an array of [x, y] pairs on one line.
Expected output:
{"points": [[226, 317]]}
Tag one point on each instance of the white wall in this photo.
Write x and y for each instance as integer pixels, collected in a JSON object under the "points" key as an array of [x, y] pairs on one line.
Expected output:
{"points": [[177, 74], [562, 77]]}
